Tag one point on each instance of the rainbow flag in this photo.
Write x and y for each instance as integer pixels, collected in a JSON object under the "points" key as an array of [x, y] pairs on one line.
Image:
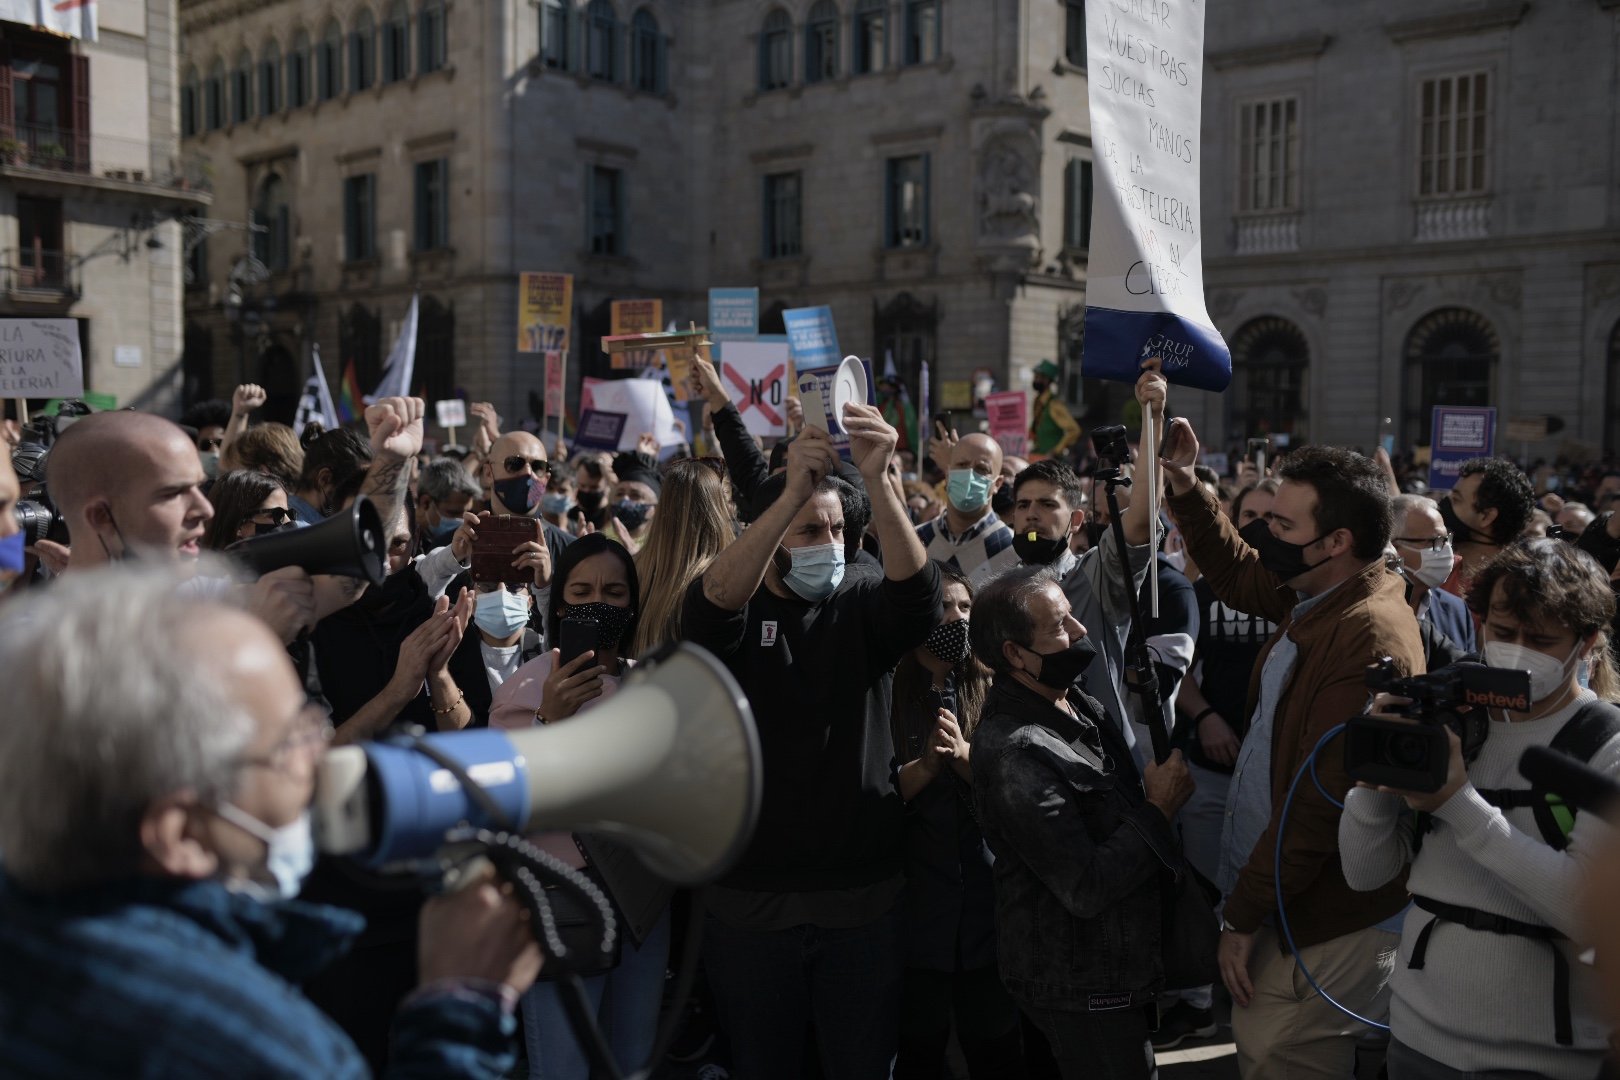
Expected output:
{"points": [[348, 395]]}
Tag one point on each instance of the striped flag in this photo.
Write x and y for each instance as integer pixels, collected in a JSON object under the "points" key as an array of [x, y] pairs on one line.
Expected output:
{"points": [[348, 405]]}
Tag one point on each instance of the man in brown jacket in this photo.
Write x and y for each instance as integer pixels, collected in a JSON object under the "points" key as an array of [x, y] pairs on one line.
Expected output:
{"points": [[1316, 569]]}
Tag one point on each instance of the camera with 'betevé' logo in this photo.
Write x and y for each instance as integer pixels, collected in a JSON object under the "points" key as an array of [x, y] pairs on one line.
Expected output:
{"points": [[1415, 756]]}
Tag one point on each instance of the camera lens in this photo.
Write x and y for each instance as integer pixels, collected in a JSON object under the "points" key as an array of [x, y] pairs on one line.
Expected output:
{"points": [[33, 520], [1407, 751]]}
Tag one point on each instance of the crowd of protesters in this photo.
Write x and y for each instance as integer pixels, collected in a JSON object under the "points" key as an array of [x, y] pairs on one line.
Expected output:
{"points": [[1007, 736]]}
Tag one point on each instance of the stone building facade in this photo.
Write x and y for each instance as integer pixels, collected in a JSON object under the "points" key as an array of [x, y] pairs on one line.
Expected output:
{"points": [[92, 184], [916, 164], [1410, 206]]}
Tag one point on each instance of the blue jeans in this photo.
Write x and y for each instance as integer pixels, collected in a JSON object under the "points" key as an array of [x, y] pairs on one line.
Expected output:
{"points": [[769, 985], [626, 1001]]}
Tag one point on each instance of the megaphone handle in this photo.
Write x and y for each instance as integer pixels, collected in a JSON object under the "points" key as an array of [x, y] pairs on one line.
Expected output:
{"points": [[466, 873]]}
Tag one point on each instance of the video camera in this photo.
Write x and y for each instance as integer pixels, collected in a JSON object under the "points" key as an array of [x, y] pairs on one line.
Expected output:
{"points": [[1112, 448], [37, 516], [1416, 757]]}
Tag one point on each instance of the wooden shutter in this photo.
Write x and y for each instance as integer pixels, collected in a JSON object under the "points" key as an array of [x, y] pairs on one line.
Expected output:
{"points": [[8, 113], [79, 90]]}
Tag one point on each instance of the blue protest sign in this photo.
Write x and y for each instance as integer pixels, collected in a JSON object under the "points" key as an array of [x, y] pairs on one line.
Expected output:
{"points": [[1457, 434], [811, 337], [816, 385], [733, 314]]}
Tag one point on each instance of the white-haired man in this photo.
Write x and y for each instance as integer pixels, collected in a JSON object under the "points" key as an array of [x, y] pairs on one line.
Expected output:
{"points": [[156, 771]]}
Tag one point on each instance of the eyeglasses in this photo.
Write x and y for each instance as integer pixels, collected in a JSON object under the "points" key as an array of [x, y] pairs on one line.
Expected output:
{"points": [[540, 466], [311, 728], [1425, 543], [277, 515], [210, 444]]}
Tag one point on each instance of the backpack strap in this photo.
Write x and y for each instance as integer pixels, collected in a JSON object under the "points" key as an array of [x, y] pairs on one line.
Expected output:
{"points": [[1588, 731]]}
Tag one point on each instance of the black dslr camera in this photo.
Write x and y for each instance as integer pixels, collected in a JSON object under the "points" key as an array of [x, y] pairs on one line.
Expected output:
{"points": [[37, 516], [1416, 757], [1113, 450]]}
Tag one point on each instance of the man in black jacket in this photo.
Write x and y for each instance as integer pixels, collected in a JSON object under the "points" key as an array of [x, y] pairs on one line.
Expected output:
{"points": [[1081, 845], [805, 926]]}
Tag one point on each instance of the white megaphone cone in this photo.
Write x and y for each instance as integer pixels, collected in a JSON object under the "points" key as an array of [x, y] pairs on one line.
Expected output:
{"points": [[670, 766]]}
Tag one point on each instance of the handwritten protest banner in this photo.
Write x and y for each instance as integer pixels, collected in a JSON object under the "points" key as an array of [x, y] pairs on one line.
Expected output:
{"points": [[40, 358], [545, 311], [1145, 271], [1008, 413], [755, 374]]}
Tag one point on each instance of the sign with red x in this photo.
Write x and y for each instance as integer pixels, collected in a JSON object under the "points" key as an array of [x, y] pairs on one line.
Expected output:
{"points": [[755, 374]]}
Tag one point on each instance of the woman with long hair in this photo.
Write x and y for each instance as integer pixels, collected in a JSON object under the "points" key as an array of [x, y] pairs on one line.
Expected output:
{"points": [[246, 503], [595, 582], [948, 907], [693, 525], [1487, 980]]}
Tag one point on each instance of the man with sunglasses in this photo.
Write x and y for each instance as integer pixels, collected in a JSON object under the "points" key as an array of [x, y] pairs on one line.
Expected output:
{"points": [[514, 479], [155, 818]]}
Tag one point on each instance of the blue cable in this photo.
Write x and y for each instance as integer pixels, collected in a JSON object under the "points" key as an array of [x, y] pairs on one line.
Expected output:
{"points": [[1282, 912]]}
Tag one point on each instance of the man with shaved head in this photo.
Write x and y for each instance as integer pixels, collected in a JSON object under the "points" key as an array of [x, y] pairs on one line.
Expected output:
{"points": [[968, 535], [514, 476]]}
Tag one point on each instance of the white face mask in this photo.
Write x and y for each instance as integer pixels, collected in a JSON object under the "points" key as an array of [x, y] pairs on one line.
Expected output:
{"points": [[289, 851], [1547, 673], [1436, 567], [1177, 559]]}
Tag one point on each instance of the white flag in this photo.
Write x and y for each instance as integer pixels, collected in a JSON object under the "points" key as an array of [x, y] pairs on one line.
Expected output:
{"points": [[316, 404], [75, 18], [396, 378]]}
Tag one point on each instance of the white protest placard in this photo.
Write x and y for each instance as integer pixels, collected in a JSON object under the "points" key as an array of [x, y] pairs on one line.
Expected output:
{"points": [[1145, 270], [40, 358], [755, 374], [452, 412], [643, 401]]}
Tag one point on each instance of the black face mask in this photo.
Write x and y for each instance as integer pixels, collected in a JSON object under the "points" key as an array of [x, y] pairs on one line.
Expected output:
{"points": [[611, 620], [1060, 669], [589, 501], [1002, 501], [261, 529], [1095, 531], [1280, 557], [633, 514], [1036, 551], [949, 642], [1460, 529]]}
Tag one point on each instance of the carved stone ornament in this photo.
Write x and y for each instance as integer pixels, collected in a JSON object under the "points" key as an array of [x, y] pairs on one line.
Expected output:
{"points": [[1313, 300], [1506, 289], [1222, 302], [1400, 293], [1009, 209]]}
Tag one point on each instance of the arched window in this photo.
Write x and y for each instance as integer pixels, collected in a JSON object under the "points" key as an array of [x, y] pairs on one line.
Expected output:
{"points": [[1611, 441], [435, 371], [602, 41], [776, 51], [1451, 357], [363, 52], [298, 72], [1271, 364], [214, 96], [360, 340], [821, 42], [646, 54], [396, 46], [242, 88], [273, 246], [190, 104], [329, 63], [870, 37], [432, 45], [270, 79]]}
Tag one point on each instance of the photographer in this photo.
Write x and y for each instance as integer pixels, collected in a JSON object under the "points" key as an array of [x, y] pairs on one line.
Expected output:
{"points": [[1487, 983], [154, 813]]}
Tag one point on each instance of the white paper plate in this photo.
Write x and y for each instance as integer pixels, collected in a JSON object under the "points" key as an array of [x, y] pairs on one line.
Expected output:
{"points": [[849, 385]]}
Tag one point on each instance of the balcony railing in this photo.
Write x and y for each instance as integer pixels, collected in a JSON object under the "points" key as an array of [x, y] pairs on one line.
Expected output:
{"points": [[39, 271], [1453, 219], [56, 148], [1267, 234]]}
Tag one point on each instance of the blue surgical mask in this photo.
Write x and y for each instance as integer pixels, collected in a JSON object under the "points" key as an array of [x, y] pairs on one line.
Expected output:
{"points": [[968, 490], [289, 851], [816, 571], [443, 531], [555, 503], [11, 552], [501, 614]]}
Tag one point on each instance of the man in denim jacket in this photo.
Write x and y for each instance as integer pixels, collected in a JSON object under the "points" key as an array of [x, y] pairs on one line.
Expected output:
{"points": [[1081, 843]]}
